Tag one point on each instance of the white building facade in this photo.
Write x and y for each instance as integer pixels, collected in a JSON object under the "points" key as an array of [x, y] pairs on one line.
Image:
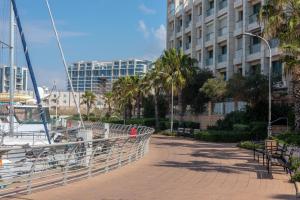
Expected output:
{"points": [[98, 76], [211, 31]]}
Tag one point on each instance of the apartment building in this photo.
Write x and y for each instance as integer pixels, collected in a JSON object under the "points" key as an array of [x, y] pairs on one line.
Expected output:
{"points": [[20, 78], [98, 76], [211, 31]]}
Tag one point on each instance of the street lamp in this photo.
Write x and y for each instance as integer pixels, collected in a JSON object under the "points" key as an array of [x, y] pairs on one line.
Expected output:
{"points": [[270, 81], [172, 100]]}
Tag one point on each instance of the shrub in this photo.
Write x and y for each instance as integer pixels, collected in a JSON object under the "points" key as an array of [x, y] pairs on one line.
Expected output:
{"points": [[240, 127], [222, 136], [237, 117], [249, 145], [296, 177], [290, 138], [168, 133], [259, 130]]}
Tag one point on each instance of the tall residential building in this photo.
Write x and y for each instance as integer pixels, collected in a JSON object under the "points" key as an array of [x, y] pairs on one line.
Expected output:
{"points": [[20, 77], [211, 31], [98, 76]]}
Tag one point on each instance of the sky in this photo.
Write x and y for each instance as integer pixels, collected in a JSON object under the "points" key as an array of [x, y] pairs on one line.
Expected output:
{"points": [[102, 30]]}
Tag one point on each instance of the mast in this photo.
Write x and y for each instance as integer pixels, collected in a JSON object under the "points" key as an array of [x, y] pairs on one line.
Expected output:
{"points": [[12, 73], [31, 72]]}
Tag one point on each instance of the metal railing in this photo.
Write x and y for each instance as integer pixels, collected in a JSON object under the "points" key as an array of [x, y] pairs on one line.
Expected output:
{"points": [[30, 168]]}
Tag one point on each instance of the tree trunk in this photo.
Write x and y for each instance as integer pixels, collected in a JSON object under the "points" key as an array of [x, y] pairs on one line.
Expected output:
{"points": [[156, 110], [296, 94], [181, 107], [138, 102]]}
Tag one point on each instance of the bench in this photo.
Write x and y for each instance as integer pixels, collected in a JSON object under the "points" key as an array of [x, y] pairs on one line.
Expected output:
{"points": [[259, 150], [281, 157], [185, 132]]}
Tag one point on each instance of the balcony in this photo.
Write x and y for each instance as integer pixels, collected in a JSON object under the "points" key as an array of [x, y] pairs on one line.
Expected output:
{"points": [[209, 12], [239, 25], [255, 48], [209, 36], [188, 24], [187, 46], [238, 28], [253, 18], [238, 3], [199, 44], [274, 43], [199, 20], [222, 4], [238, 56], [222, 58], [223, 31], [209, 61]]}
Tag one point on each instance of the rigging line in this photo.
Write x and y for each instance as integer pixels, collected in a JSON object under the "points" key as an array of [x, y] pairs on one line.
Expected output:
{"points": [[64, 62]]}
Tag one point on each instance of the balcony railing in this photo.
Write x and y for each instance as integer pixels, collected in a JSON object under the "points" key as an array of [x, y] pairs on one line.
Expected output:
{"points": [[209, 61], [239, 24], [179, 29], [187, 46], [253, 18], [274, 43], [255, 48], [199, 41], [238, 53], [223, 31], [188, 24], [222, 5], [222, 58], [209, 36], [209, 12]]}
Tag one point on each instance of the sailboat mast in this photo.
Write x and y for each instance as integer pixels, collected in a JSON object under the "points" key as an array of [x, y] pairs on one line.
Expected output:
{"points": [[31, 72], [12, 74]]}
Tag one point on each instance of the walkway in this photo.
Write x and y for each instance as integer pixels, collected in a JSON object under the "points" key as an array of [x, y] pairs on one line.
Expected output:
{"points": [[179, 169]]}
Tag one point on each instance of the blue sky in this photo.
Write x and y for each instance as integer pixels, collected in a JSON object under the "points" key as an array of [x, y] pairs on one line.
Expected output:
{"points": [[91, 30]]}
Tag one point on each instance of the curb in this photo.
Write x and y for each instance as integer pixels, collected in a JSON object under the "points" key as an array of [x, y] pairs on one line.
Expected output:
{"points": [[297, 186]]}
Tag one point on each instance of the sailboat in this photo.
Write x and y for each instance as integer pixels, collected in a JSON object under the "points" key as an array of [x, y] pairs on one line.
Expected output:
{"points": [[22, 124]]}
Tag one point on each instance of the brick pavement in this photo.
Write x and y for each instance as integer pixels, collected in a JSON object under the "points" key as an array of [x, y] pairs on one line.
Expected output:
{"points": [[179, 169]]}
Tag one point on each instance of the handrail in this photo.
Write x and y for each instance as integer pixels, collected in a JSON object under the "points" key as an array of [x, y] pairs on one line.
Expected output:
{"points": [[30, 168]]}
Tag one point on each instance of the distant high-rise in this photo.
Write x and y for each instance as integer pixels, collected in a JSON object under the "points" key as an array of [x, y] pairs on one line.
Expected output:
{"points": [[98, 76], [211, 31], [20, 77]]}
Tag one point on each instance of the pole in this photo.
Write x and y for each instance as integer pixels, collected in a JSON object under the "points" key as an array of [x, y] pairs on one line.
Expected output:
{"points": [[270, 81], [31, 72], [12, 73], [65, 63], [172, 109]]}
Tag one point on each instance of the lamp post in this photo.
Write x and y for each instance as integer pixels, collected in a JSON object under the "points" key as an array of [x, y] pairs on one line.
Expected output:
{"points": [[270, 81], [172, 100]]}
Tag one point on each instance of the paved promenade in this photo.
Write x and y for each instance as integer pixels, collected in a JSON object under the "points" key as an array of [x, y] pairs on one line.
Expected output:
{"points": [[179, 169]]}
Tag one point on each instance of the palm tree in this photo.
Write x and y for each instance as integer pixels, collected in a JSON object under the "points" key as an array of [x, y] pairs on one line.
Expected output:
{"points": [[125, 90], [177, 69], [108, 100], [89, 99], [281, 19], [152, 84]]}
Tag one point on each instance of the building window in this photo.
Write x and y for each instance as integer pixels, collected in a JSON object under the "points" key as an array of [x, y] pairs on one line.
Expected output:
{"points": [[276, 71]]}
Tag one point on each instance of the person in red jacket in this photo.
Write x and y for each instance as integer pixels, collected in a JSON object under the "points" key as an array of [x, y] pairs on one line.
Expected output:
{"points": [[133, 132]]}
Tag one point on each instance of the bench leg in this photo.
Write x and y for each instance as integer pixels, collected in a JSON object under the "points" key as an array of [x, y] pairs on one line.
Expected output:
{"points": [[263, 160]]}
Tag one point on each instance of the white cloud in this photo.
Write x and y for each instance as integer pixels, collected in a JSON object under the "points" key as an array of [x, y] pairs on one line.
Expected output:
{"points": [[146, 10], [143, 28]]}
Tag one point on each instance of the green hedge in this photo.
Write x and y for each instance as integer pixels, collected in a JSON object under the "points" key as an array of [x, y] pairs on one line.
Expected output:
{"points": [[289, 138], [249, 145], [222, 136]]}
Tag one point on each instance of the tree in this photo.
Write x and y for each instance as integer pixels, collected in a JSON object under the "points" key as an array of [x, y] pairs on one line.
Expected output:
{"points": [[281, 19], [191, 92], [215, 88], [102, 85], [177, 68], [89, 99], [108, 100], [126, 94], [153, 85]]}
